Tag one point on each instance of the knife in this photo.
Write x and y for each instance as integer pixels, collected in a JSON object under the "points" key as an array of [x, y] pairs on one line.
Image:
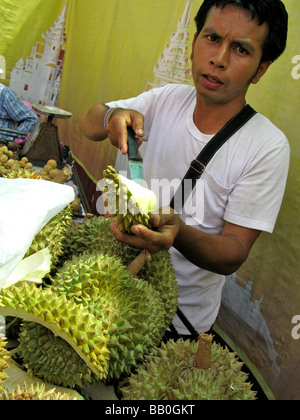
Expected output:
{"points": [[135, 160]]}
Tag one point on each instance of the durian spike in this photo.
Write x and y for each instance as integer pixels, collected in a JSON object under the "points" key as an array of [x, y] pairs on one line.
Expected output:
{"points": [[138, 263], [203, 357]]}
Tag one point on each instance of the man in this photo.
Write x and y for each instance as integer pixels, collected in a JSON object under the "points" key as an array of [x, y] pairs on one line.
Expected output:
{"points": [[235, 43], [14, 114]]}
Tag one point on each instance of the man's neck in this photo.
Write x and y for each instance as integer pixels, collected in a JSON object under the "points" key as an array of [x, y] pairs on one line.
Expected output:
{"points": [[209, 118]]}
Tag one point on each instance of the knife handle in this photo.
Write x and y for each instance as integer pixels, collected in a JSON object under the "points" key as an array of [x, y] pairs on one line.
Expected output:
{"points": [[133, 147]]}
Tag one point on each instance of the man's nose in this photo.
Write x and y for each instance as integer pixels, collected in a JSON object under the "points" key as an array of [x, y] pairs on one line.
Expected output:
{"points": [[220, 57]]}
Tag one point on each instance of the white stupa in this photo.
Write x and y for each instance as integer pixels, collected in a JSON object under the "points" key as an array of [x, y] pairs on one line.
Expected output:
{"points": [[37, 79], [173, 65]]}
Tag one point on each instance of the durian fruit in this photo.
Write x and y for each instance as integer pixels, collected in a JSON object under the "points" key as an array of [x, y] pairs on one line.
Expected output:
{"points": [[103, 284], [74, 323], [159, 272], [96, 234], [52, 236], [128, 201], [3, 362], [170, 373], [51, 358], [34, 393]]}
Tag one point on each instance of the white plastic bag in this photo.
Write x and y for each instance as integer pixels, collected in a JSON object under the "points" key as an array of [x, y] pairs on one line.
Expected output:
{"points": [[26, 206]]}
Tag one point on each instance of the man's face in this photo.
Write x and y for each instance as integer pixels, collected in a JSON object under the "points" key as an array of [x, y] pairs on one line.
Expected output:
{"points": [[226, 55]]}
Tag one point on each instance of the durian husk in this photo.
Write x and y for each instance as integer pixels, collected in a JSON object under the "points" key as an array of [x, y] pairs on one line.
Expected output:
{"points": [[51, 358], [169, 373], [126, 208], [67, 319]]}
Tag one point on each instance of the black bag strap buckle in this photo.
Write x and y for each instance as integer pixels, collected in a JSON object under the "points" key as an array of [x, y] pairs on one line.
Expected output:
{"points": [[197, 166]]}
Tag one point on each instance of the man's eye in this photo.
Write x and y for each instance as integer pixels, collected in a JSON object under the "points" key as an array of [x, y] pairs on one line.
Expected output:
{"points": [[212, 38], [241, 50]]}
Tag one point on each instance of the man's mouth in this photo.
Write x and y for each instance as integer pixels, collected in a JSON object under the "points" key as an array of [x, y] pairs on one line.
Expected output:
{"points": [[212, 79]]}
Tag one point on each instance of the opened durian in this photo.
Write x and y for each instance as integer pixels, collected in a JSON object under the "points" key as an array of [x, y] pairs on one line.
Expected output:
{"points": [[96, 234], [74, 323], [171, 373], [128, 201], [51, 358]]}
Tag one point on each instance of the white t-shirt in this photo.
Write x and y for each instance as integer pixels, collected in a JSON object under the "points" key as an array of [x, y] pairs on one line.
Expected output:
{"points": [[243, 184]]}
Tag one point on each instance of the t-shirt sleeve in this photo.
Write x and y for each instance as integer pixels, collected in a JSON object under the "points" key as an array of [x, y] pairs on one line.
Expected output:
{"points": [[144, 103], [256, 199]]}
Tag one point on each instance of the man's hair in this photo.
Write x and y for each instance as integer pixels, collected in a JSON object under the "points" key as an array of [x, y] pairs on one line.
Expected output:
{"points": [[271, 12]]}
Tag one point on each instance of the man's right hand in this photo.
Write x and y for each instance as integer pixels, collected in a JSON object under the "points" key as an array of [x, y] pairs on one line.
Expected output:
{"points": [[92, 125], [117, 127]]}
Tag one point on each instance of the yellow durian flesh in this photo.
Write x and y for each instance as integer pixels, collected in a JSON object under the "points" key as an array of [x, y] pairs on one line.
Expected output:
{"points": [[145, 199]]}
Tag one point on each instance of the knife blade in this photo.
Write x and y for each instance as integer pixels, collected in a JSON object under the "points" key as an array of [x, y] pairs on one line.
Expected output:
{"points": [[135, 160]]}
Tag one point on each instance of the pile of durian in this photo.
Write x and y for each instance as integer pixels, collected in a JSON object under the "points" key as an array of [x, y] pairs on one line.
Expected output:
{"points": [[95, 320], [96, 316]]}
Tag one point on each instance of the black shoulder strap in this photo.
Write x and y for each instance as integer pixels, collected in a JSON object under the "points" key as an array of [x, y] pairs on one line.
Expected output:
{"points": [[198, 165]]}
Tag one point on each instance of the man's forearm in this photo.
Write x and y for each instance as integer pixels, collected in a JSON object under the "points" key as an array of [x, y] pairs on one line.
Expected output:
{"points": [[92, 125], [222, 254], [216, 253]]}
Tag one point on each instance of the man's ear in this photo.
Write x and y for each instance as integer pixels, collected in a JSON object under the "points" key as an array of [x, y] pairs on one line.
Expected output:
{"points": [[193, 45], [262, 70]]}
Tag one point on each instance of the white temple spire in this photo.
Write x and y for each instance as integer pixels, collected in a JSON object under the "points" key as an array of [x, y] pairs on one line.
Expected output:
{"points": [[173, 65], [36, 80]]}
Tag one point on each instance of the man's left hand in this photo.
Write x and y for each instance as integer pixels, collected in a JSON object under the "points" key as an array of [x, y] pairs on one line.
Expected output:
{"points": [[166, 225]]}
